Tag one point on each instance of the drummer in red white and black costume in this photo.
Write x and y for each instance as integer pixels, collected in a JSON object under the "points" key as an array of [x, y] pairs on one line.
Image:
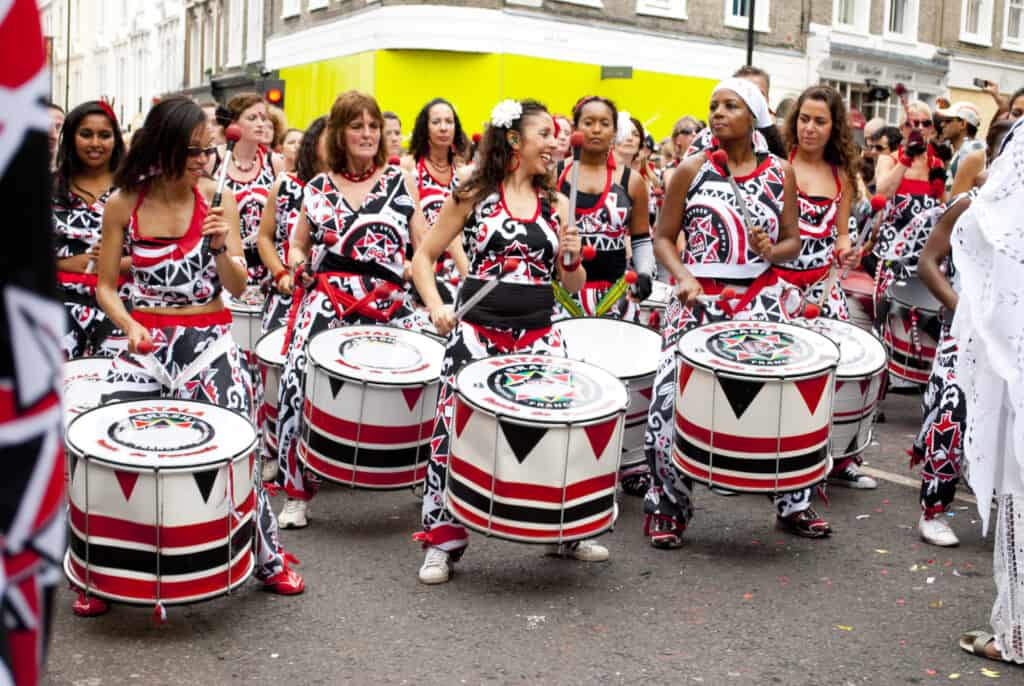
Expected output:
{"points": [[182, 254], [432, 160], [89, 150], [506, 209], [721, 252], [825, 162], [251, 173], [357, 222], [284, 205]]}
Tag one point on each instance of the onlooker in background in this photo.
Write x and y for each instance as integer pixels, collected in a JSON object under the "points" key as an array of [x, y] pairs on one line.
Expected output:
{"points": [[960, 129], [56, 123], [683, 133], [392, 134], [564, 134], [872, 128], [290, 143], [277, 131]]}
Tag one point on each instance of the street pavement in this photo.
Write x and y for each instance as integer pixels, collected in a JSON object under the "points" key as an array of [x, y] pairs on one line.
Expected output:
{"points": [[740, 603]]}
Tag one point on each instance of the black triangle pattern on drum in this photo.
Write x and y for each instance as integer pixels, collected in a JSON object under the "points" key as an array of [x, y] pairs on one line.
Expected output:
{"points": [[336, 385], [204, 482], [522, 439], [740, 393]]}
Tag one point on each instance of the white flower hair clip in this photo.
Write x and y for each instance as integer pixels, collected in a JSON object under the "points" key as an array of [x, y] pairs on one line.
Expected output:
{"points": [[505, 113]]}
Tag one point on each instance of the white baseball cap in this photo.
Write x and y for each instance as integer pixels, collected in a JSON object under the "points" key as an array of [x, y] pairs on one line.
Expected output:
{"points": [[962, 110]]}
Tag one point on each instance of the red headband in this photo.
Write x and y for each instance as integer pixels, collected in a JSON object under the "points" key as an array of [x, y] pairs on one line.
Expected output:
{"points": [[108, 110]]}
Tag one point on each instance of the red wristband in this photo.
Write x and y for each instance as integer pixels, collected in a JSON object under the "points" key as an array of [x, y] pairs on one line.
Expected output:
{"points": [[572, 267], [280, 274]]}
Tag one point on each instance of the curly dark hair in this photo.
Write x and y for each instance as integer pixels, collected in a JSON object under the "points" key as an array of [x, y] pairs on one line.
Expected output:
{"points": [[419, 143], [840, 149], [68, 162], [495, 158], [577, 109], [307, 162]]}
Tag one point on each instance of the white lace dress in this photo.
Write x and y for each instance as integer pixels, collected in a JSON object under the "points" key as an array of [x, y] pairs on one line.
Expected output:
{"points": [[988, 250]]}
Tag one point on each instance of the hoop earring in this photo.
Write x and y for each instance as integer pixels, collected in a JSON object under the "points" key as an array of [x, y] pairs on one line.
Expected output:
{"points": [[514, 163]]}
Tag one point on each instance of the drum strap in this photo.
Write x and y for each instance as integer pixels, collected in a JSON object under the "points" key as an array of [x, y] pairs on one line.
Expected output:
{"points": [[363, 306], [803, 278], [767, 278], [219, 347]]}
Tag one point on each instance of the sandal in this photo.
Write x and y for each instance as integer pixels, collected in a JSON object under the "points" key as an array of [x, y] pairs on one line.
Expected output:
{"points": [[805, 523], [975, 643]]}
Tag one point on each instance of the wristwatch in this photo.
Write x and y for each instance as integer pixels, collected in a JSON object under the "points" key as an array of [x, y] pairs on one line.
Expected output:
{"points": [[217, 252]]}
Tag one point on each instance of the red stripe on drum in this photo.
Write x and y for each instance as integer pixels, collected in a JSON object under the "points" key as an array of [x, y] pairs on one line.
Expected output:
{"points": [[144, 591], [369, 434], [534, 492], [541, 536], [746, 444], [101, 526], [908, 373], [765, 485], [906, 345], [396, 479]]}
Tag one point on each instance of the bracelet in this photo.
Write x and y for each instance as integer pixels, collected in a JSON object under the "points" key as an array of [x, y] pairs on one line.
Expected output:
{"points": [[572, 267], [217, 252], [281, 274]]}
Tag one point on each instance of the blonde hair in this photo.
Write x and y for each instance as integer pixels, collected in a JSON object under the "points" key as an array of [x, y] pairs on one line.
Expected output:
{"points": [[918, 106]]}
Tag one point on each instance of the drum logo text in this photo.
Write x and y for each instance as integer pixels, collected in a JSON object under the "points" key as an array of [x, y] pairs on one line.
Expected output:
{"points": [[757, 347], [161, 431], [541, 386]]}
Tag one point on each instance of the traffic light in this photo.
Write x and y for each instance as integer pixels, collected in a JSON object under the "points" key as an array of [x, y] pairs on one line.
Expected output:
{"points": [[273, 92]]}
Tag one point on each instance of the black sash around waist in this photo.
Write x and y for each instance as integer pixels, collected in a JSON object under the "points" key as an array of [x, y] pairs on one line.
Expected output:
{"points": [[510, 305], [337, 263]]}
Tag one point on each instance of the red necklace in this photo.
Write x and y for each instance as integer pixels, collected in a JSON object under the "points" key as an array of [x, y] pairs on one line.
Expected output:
{"points": [[358, 178]]}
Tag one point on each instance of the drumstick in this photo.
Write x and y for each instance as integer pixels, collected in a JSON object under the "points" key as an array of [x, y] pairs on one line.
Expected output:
{"points": [[576, 141], [233, 133], [721, 158], [724, 296], [901, 92], [878, 203], [616, 292], [508, 266], [380, 292]]}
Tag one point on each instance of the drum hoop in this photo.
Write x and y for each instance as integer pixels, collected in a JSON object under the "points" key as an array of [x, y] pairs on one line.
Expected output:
{"points": [[382, 384], [263, 360], [513, 419], [750, 377], [83, 454]]}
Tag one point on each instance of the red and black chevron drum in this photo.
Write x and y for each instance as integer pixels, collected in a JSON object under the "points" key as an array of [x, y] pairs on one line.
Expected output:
{"points": [[85, 382], [161, 501], [371, 396], [535, 448], [860, 298], [754, 406], [912, 329], [859, 378], [629, 351], [246, 317], [271, 361]]}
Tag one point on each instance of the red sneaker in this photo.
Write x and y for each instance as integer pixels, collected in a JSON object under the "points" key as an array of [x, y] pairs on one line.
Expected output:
{"points": [[285, 582], [89, 606]]}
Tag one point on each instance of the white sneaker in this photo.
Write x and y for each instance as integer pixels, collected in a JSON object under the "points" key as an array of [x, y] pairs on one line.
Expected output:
{"points": [[270, 470], [293, 514], [584, 551], [436, 567], [937, 531]]}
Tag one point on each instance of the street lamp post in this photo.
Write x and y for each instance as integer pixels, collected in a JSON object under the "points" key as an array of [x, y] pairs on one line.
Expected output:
{"points": [[751, 4]]}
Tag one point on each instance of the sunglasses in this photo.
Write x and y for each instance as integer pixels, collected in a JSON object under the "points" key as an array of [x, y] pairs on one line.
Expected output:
{"points": [[683, 132], [920, 123], [196, 151], [879, 148]]}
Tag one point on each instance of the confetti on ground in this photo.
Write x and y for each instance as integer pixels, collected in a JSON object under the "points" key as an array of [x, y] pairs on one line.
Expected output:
{"points": [[954, 676], [864, 516], [883, 571], [748, 596], [930, 672], [935, 604], [916, 568], [881, 551], [930, 580], [843, 627], [990, 673], [901, 601], [885, 502]]}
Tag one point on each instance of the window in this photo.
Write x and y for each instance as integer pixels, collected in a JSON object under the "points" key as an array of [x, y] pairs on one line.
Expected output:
{"points": [[901, 19], [976, 22], [586, 3], [845, 12], [317, 5], [673, 9], [236, 19], [737, 13], [289, 8], [1012, 38], [254, 32], [851, 15]]}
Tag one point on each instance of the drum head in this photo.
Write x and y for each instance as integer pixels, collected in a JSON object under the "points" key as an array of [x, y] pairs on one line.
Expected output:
{"points": [[758, 349], [164, 433], [268, 348], [378, 354], [627, 350], [85, 381], [860, 354], [914, 293], [250, 304], [541, 389], [859, 282]]}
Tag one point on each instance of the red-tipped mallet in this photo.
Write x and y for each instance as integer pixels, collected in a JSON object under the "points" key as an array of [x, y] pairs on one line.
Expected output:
{"points": [[233, 134], [330, 238], [878, 204], [576, 143], [588, 253], [510, 265], [629, 276], [477, 138], [811, 311], [395, 160], [145, 347], [724, 296], [721, 160]]}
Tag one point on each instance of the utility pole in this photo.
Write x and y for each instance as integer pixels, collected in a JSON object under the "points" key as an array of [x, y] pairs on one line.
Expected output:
{"points": [[751, 5], [67, 62]]}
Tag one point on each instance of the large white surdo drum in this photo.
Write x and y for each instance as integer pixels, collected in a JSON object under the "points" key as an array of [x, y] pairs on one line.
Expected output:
{"points": [[246, 318], [371, 396], [535, 447], [912, 330], [85, 384], [271, 360], [754, 406], [629, 351], [161, 501], [859, 378]]}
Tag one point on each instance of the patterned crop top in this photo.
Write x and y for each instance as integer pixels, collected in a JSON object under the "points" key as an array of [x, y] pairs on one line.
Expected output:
{"points": [[716, 239], [77, 224], [603, 222], [287, 210], [492, 234], [172, 272], [432, 192], [251, 197], [370, 239], [818, 228]]}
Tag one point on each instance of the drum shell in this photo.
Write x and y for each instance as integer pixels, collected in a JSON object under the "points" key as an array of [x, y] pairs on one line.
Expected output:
{"points": [[853, 416], [366, 435], [85, 382], [908, 361], [246, 326], [778, 427], [860, 289], [271, 364], [563, 490], [125, 522]]}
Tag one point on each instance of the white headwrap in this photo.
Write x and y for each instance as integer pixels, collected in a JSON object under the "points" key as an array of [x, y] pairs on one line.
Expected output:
{"points": [[751, 95]]}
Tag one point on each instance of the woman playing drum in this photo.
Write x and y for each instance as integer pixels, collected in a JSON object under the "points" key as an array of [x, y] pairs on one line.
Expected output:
{"points": [[721, 252], [89, 151], [182, 251], [825, 163], [505, 210], [356, 224]]}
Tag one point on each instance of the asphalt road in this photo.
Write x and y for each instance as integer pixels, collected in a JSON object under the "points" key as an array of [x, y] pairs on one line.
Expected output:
{"points": [[740, 603]]}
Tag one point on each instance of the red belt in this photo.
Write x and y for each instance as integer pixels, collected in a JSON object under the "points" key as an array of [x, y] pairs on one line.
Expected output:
{"points": [[803, 278], [151, 320], [505, 341], [89, 280], [768, 277]]}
